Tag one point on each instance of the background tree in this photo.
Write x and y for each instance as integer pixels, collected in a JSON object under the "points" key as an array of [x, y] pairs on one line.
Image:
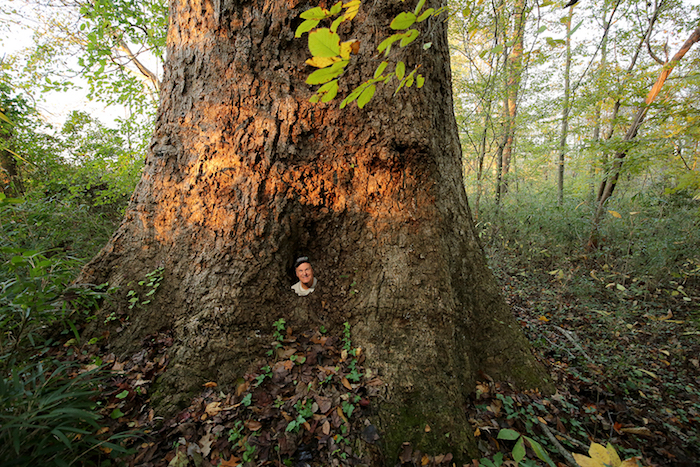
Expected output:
{"points": [[244, 173]]}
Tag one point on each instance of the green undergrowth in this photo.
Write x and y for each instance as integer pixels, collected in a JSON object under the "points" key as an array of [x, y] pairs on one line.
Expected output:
{"points": [[51, 406]]}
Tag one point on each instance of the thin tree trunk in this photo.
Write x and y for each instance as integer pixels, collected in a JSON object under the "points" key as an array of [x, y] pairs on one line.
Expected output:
{"points": [[514, 69], [618, 101], [565, 111]]}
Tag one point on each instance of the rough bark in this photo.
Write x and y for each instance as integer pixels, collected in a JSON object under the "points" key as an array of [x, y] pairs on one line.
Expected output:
{"points": [[243, 174]]}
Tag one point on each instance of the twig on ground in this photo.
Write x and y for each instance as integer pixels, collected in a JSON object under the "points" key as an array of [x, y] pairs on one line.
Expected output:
{"points": [[566, 454], [571, 337]]}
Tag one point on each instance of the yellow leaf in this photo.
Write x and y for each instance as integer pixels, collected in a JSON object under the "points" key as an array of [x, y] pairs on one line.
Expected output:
{"points": [[631, 462], [427, 428], [352, 8], [615, 214], [349, 47], [598, 452], [584, 461], [614, 458], [322, 62]]}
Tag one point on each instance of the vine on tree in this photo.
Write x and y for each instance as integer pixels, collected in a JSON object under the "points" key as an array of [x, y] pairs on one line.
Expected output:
{"points": [[331, 55]]}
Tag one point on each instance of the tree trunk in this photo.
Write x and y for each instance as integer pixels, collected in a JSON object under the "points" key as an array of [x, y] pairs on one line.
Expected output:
{"points": [[618, 101], [244, 174], [514, 70], [565, 112], [10, 180]]}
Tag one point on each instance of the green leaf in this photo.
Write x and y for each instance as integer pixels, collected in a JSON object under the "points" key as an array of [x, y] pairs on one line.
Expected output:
{"points": [[386, 43], [541, 30], [519, 451], [427, 45], [498, 49], [324, 43], [403, 20], [353, 95], [419, 7], [335, 9], [409, 36], [507, 433], [400, 70], [420, 81], [575, 28], [122, 394], [324, 75], [329, 90], [306, 26], [116, 413], [426, 14], [540, 451], [366, 96], [380, 69], [336, 23], [315, 13]]}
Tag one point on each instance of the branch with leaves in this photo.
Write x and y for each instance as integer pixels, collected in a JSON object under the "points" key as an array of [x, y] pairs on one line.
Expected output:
{"points": [[331, 55]]}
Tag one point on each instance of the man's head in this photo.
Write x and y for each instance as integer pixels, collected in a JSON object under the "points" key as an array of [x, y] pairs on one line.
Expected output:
{"points": [[304, 271]]}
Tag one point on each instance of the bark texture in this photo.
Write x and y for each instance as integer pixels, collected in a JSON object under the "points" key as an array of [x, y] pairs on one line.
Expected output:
{"points": [[243, 174]]}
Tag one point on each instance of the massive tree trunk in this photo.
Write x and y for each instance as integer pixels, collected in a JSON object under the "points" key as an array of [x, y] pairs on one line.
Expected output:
{"points": [[243, 174]]}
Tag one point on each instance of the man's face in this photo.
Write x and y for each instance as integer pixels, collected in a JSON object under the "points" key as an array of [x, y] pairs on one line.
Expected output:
{"points": [[305, 274]]}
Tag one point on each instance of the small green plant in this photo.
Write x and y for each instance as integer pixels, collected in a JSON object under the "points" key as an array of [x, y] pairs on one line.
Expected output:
{"points": [[519, 448], [151, 284], [347, 341], [305, 412], [235, 434], [278, 335], [249, 453], [279, 326], [266, 373]]}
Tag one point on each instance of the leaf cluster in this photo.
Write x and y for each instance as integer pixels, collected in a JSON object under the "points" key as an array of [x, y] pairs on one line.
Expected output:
{"points": [[331, 55]]}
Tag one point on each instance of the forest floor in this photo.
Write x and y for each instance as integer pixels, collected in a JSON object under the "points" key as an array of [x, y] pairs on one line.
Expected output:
{"points": [[624, 362]]}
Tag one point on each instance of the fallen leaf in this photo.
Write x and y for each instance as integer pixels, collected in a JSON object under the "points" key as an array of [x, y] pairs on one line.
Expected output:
{"points": [[644, 431], [210, 384], [232, 462], [346, 383], [181, 460], [243, 387], [326, 428], [253, 425], [427, 428], [425, 460], [213, 408], [205, 443], [406, 452]]}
